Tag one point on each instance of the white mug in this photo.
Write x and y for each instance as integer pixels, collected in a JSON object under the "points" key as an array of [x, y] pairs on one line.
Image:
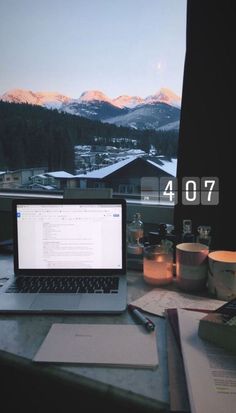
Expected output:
{"points": [[191, 265], [222, 274]]}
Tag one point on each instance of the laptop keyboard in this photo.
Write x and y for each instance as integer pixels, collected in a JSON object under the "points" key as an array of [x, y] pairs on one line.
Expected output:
{"points": [[70, 284]]}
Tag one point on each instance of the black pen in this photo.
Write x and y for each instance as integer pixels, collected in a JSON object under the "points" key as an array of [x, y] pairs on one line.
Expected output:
{"points": [[150, 326]]}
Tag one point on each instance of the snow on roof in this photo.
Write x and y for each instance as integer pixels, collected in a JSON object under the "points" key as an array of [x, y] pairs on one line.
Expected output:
{"points": [[39, 176], [48, 187], [60, 174], [107, 170], [135, 152], [167, 166], [2, 172]]}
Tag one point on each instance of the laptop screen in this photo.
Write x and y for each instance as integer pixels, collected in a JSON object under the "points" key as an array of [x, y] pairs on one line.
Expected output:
{"points": [[70, 234]]}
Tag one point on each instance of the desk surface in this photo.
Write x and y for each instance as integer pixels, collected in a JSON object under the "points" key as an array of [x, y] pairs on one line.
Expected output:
{"points": [[144, 389]]}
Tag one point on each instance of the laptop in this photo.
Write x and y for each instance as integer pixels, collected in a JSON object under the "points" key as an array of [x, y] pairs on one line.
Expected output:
{"points": [[69, 257]]}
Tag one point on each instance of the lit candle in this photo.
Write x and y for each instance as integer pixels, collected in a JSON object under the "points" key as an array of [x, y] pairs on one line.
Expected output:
{"points": [[222, 274], [157, 265]]}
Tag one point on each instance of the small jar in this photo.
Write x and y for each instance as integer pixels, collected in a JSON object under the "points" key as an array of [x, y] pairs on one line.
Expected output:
{"points": [[158, 263]]}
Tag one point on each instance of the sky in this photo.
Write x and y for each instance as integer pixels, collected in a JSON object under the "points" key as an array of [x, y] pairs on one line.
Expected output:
{"points": [[131, 47]]}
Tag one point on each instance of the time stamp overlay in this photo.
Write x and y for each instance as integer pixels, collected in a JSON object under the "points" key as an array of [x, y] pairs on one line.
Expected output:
{"points": [[195, 190]]}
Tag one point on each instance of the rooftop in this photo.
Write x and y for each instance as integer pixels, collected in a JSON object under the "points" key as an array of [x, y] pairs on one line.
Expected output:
{"points": [[168, 166]]}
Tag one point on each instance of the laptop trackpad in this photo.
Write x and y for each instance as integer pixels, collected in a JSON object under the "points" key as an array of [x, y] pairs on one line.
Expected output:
{"points": [[57, 302]]}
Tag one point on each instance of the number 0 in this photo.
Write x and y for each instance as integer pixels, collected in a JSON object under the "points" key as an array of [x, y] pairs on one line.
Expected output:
{"points": [[188, 189]]}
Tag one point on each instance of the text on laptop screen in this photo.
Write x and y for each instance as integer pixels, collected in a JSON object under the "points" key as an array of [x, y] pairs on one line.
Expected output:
{"points": [[69, 236]]}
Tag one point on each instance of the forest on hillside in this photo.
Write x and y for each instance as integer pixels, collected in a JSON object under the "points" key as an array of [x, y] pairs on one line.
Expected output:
{"points": [[33, 136]]}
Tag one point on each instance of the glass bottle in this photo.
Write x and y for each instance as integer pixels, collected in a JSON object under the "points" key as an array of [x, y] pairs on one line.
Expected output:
{"points": [[187, 235], [134, 235], [204, 235]]}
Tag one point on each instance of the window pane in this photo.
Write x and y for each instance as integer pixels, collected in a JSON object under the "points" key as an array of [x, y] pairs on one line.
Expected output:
{"points": [[90, 94]]}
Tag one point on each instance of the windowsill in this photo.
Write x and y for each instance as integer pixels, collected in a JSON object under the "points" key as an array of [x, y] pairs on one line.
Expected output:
{"points": [[151, 214]]}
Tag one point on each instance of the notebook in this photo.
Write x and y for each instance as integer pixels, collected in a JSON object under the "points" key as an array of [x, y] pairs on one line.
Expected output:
{"points": [[69, 256], [99, 344]]}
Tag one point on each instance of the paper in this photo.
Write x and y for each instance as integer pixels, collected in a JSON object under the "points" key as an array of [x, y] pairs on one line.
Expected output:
{"points": [[99, 344], [158, 300], [210, 371]]}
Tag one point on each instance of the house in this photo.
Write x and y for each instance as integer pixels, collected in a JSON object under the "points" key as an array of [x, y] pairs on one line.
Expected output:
{"points": [[55, 180], [88, 158], [19, 177], [125, 177]]}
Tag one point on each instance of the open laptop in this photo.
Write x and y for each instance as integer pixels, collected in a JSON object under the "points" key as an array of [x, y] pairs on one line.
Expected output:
{"points": [[69, 256]]}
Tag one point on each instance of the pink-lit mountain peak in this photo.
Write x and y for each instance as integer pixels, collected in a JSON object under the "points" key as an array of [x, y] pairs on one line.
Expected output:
{"points": [[19, 96], [127, 101], [164, 95], [52, 96], [34, 98], [120, 102], [56, 100], [93, 95]]}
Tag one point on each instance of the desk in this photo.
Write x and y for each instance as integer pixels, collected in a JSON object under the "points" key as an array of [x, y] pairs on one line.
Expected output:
{"points": [[61, 388]]}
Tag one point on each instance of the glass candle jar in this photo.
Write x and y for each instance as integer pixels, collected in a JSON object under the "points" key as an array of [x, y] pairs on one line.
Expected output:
{"points": [[157, 265]]}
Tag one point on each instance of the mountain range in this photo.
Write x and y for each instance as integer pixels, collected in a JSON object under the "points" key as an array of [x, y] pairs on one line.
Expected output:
{"points": [[160, 111]]}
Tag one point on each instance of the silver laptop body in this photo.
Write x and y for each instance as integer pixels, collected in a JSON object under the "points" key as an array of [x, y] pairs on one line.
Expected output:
{"points": [[55, 241]]}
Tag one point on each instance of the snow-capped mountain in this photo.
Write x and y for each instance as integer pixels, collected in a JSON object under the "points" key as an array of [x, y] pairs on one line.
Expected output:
{"points": [[149, 116], [127, 101], [158, 111], [94, 96], [92, 109], [164, 95], [47, 99]]}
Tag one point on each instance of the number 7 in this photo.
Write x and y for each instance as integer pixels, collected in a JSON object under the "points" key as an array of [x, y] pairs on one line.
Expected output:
{"points": [[210, 182]]}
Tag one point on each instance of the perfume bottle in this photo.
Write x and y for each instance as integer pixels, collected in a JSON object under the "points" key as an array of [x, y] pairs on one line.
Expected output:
{"points": [[134, 235], [187, 235], [204, 235]]}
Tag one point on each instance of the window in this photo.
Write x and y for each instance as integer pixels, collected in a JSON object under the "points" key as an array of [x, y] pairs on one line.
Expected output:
{"points": [[99, 185], [126, 188], [130, 70]]}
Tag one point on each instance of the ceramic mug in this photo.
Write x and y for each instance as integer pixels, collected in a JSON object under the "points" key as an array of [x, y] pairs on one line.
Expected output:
{"points": [[222, 274], [191, 265]]}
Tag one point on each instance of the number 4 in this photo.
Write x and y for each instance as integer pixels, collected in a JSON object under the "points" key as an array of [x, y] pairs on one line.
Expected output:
{"points": [[168, 191]]}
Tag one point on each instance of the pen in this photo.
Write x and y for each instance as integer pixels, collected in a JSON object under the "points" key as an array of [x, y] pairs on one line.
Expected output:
{"points": [[150, 326]]}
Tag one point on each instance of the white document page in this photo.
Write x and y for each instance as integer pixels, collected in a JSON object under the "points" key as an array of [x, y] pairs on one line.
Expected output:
{"points": [[75, 236], [210, 370], [158, 300], [99, 344]]}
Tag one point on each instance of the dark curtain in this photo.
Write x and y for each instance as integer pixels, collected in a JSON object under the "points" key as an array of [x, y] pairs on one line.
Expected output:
{"points": [[208, 117]]}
